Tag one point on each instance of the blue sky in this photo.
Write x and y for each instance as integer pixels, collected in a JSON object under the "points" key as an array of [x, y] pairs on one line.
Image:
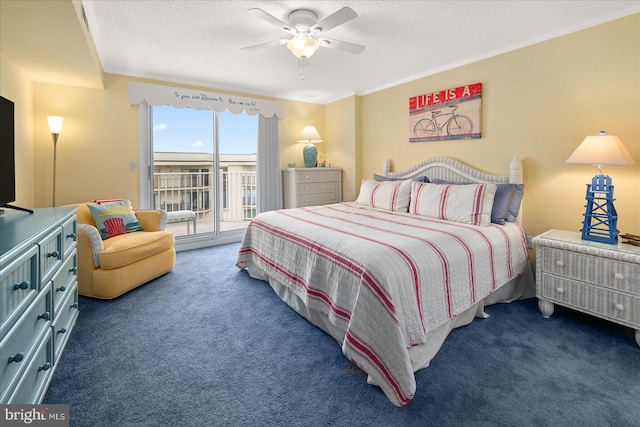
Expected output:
{"points": [[189, 130]]}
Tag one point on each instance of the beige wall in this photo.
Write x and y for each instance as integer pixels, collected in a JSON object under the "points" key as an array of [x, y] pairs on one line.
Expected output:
{"points": [[16, 87], [538, 103], [339, 142], [100, 137]]}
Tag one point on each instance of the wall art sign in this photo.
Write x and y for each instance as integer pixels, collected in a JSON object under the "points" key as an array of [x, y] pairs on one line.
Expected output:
{"points": [[448, 114]]}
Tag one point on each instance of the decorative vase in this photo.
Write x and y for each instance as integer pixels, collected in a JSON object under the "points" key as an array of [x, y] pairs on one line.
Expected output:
{"points": [[310, 153]]}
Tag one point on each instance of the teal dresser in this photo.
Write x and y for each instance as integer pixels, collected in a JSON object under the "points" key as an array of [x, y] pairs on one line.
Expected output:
{"points": [[38, 298]]}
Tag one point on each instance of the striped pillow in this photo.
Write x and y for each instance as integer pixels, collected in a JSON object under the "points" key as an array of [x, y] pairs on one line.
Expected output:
{"points": [[389, 195], [468, 204]]}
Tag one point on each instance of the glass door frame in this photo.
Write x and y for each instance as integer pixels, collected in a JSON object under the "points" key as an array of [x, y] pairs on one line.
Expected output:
{"points": [[146, 170]]}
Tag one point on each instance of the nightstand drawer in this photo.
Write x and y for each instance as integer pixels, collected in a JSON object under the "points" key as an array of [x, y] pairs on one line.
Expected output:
{"points": [[593, 269], [622, 308]]}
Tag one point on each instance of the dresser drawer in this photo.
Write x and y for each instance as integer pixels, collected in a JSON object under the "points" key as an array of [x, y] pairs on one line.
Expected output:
{"points": [[18, 346], [69, 236], [607, 272], [50, 254], [19, 283], [318, 176], [318, 199], [621, 308], [318, 187], [64, 320], [32, 386], [63, 281]]}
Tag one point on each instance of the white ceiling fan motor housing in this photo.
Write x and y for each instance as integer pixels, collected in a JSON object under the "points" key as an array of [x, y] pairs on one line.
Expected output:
{"points": [[302, 20]]}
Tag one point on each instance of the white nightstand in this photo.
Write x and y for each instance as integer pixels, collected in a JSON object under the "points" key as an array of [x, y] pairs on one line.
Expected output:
{"points": [[311, 186], [595, 278]]}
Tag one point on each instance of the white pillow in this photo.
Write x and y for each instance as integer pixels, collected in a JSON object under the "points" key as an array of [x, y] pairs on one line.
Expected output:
{"points": [[389, 195], [468, 204]]}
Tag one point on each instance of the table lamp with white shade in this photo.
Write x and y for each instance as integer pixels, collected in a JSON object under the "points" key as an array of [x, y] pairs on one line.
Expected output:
{"points": [[600, 217]]}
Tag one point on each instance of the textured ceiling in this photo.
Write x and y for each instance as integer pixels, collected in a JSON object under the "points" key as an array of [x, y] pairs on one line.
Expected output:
{"points": [[199, 42]]}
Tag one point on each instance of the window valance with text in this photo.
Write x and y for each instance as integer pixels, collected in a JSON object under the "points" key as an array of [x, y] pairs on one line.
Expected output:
{"points": [[201, 100]]}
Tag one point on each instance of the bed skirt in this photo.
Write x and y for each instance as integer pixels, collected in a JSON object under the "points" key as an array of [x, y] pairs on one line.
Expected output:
{"points": [[521, 287]]}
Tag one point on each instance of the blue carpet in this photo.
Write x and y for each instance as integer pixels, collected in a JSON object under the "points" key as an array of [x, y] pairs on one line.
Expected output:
{"points": [[206, 345]]}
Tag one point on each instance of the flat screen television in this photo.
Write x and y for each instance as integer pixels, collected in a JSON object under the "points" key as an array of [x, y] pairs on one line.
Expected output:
{"points": [[7, 155]]}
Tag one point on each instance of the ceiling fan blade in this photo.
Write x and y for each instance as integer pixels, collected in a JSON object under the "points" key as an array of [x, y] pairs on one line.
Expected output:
{"points": [[340, 45], [271, 19], [337, 18], [261, 45]]}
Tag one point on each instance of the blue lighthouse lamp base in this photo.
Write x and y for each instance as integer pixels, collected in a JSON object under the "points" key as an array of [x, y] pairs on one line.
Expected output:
{"points": [[310, 154], [600, 217]]}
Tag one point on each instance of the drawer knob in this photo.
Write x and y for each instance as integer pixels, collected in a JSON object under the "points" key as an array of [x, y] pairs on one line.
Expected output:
{"points": [[44, 367], [61, 331], [619, 307], [560, 290], [619, 276], [54, 254], [71, 236], [74, 305], [560, 263], [73, 270], [17, 358], [24, 285], [61, 289], [46, 316]]}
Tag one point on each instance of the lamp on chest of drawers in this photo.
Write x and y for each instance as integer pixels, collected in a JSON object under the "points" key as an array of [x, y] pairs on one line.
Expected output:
{"points": [[310, 136], [55, 124], [600, 217]]}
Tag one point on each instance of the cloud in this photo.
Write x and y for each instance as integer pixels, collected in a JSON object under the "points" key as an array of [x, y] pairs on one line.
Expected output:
{"points": [[197, 144], [159, 126]]}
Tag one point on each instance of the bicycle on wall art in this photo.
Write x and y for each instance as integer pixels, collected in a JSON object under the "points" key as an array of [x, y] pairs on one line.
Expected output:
{"points": [[447, 114]]}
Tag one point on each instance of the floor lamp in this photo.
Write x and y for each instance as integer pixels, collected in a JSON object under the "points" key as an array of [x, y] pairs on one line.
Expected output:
{"points": [[55, 124]]}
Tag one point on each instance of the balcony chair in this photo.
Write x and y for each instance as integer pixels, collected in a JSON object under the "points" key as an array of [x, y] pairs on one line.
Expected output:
{"points": [[111, 267]]}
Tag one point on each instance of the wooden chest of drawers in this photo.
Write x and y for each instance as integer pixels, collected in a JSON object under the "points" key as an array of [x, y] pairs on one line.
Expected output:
{"points": [[311, 186], [595, 278]]}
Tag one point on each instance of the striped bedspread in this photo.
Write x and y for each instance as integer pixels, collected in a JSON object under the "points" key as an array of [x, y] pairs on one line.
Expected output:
{"points": [[386, 278]]}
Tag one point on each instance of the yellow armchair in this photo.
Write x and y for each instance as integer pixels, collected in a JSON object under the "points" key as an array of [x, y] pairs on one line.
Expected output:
{"points": [[109, 268]]}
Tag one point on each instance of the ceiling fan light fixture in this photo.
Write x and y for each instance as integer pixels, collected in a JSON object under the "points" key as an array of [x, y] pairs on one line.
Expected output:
{"points": [[303, 46]]}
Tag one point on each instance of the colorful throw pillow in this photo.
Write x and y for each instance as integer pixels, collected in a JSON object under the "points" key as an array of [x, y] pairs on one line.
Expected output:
{"points": [[113, 219], [468, 204], [389, 195]]}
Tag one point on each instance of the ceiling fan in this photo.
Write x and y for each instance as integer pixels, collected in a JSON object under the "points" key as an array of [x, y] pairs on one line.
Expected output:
{"points": [[307, 31]]}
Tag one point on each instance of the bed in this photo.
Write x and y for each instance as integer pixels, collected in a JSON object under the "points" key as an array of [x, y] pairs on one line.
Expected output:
{"points": [[389, 275]]}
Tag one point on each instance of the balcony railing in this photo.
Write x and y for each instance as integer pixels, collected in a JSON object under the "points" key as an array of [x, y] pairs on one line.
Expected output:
{"points": [[194, 191]]}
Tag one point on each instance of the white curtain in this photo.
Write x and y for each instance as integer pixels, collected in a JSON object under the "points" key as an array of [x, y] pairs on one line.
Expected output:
{"points": [[268, 175]]}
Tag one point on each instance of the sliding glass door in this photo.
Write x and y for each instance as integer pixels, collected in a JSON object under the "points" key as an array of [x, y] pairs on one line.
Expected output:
{"points": [[204, 169]]}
